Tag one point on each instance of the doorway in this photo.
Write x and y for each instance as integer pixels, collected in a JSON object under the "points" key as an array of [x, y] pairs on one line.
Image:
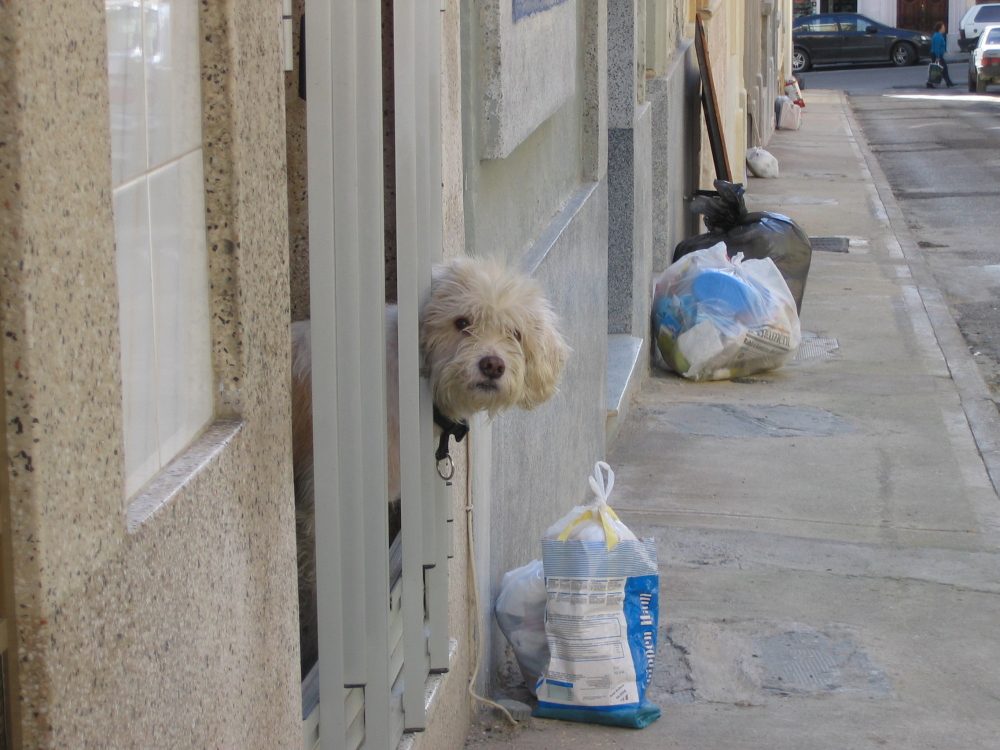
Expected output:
{"points": [[838, 6], [804, 8], [920, 15]]}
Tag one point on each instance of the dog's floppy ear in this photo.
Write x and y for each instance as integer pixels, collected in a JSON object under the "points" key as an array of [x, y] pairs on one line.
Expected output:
{"points": [[545, 354]]}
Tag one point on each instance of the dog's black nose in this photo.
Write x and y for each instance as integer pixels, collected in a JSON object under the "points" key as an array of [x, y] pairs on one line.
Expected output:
{"points": [[492, 367]]}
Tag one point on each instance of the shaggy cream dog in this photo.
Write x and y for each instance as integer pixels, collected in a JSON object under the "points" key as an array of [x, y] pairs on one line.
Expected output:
{"points": [[489, 341]]}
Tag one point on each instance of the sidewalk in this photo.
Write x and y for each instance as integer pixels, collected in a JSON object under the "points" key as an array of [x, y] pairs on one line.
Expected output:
{"points": [[828, 533]]}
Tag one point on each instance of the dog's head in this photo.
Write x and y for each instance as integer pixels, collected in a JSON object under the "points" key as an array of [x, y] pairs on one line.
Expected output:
{"points": [[490, 340]]}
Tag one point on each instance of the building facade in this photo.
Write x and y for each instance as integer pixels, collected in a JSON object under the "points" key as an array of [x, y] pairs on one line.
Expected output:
{"points": [[155, 165], [906, 14]]}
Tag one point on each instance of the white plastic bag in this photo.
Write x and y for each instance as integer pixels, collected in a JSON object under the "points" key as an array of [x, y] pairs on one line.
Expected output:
{"points": [[601, 615], [789, 114], [717, 318], [761, 163], [595, 522], [520, 613]]}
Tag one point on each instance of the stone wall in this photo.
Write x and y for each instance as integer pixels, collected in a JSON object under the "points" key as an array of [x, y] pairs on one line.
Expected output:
{"points": [[538, 462], [676, 152], [182, 632]]}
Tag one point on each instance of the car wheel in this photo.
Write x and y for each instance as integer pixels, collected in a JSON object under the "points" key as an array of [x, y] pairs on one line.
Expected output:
{"points": [[903, 54], [980, 85], [800, 60], [972, 84]]}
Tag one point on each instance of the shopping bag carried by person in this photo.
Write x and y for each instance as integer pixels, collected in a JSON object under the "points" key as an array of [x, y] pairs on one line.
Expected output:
{"points": [[601, 616], [935, 73]]}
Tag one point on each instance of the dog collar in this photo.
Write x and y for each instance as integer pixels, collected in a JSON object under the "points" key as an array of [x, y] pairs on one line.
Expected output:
{"points": [[449, 427]]}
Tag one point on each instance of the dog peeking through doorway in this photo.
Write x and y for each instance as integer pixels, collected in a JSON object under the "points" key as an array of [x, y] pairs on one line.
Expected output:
{"points": [[489, 340]]}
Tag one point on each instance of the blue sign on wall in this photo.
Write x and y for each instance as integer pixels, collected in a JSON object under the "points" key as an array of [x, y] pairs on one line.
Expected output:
{"points": [[525, 8]]}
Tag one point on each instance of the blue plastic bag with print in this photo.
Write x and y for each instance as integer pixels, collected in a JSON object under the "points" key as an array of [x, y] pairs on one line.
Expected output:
{"points": [[601, 617]]}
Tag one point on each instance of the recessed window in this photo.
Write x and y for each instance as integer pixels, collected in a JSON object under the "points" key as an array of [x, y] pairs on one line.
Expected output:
{"points": [[159, 205]]}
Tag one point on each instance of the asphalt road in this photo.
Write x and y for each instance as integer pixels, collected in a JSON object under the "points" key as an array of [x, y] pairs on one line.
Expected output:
{"points": [[940, 151], [882, 77]]}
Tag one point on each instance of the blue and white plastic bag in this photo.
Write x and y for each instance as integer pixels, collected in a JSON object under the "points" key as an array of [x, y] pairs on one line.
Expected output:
{"points": [[601, 618]]}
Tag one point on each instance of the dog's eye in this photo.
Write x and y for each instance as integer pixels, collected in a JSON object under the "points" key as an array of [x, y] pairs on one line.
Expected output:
{"points": [[462, 323], [517, 335]]}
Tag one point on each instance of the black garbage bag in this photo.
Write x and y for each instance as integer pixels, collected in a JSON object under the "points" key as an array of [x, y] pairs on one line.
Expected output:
{"points": [[757, 235]]}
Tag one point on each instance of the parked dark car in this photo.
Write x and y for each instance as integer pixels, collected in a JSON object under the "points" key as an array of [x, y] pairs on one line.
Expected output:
{"points": [[849, 37]]}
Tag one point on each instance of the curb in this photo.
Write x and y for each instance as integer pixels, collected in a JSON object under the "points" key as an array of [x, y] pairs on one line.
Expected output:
{"points": [[980, 410]]}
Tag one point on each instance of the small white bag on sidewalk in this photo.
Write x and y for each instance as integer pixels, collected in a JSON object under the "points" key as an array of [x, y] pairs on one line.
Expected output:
{"points": [[789, 114], [761, 163]]}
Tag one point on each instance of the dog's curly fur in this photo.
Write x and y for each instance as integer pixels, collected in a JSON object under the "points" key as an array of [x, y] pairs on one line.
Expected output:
{"points": [[478, 311], [489, 341]]}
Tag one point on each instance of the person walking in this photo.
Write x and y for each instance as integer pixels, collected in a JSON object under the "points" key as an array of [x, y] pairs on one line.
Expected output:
{"points": [[939, 45]]}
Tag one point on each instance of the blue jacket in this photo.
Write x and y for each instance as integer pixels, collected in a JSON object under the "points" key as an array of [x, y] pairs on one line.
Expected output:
{"points": [[939, 45]]}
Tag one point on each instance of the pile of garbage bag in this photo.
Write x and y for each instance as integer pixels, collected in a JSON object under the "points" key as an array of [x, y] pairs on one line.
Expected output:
{"points": [[761, 234], [716, 317], [583, 620]]}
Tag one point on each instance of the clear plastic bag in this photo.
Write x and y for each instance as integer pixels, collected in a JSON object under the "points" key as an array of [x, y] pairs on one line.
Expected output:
{"points": [[717, 318], [760, 234], [520, 613]]}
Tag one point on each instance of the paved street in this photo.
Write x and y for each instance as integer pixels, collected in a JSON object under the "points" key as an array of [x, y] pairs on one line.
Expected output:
{"points": [[829, 534], [883, 77], [940, 151]]}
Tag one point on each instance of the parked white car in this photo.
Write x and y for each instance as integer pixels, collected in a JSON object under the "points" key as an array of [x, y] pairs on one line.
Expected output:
{"points": [[984, 62], [976, 18]]}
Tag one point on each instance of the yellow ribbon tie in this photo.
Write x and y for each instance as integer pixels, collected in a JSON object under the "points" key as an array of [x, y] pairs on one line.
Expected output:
{"points": [[603, 511]]}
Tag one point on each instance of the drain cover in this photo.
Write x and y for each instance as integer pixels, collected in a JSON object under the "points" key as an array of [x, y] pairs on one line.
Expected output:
{"points": [[755, 662], [799, 663], [824, 175], [806, 661], [830, 244]]}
